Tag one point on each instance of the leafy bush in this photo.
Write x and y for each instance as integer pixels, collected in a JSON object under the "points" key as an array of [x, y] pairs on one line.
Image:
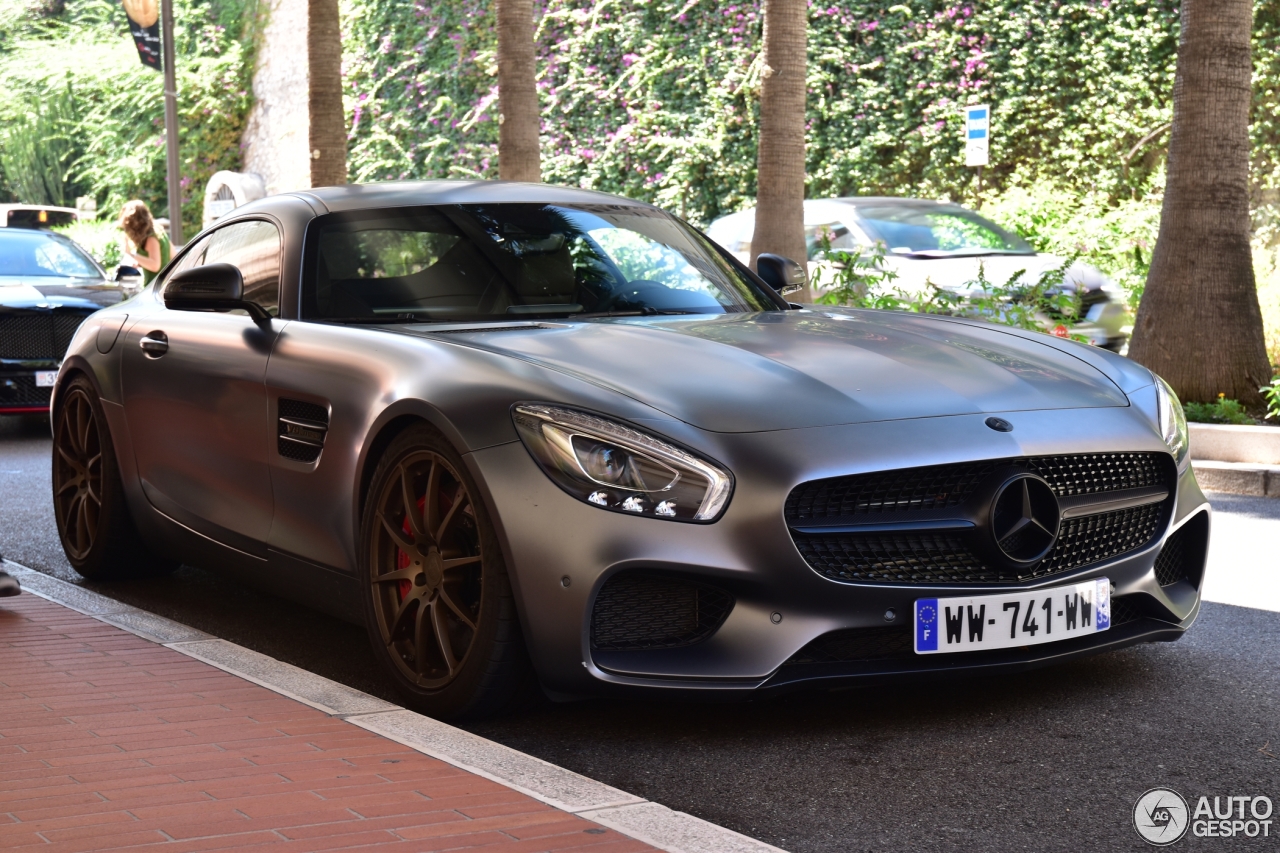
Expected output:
{"points": [[862, 280], [656, 99], [1271, 396], [1220, 411], [100, 238], [109, 136]]}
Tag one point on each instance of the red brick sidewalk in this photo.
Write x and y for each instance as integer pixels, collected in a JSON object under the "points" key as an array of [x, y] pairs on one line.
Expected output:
{"points": [[108, 741]]}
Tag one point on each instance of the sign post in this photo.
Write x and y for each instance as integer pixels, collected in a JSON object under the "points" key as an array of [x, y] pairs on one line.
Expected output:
{"points": [[151, 26], [171, 123], [977, 137]]}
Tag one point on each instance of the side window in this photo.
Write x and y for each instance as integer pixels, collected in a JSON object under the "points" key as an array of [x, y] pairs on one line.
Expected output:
{"points": [[193, 258], [254, 247]]}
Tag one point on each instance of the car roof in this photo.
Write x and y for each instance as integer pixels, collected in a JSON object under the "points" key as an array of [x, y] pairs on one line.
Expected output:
{"points": [[413, 193]]}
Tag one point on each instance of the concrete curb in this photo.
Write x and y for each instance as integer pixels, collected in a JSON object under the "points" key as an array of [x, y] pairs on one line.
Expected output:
{"points": [[1240, 478], [556, 786], [1252, 445]]}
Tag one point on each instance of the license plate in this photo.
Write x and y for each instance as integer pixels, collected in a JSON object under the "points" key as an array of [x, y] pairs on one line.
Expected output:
{"points": [[1012, 619], [46, 378]]}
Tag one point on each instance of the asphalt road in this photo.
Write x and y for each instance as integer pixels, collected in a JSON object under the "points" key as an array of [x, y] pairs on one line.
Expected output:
{"points": [[1049, 760]]}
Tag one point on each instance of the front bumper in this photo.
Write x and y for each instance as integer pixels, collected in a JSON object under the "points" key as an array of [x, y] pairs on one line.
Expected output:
{"points": [[560, 553], [19, 393]]}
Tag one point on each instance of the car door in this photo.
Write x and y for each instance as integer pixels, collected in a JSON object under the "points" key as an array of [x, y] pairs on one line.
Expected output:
{"points": [[195, 399]]}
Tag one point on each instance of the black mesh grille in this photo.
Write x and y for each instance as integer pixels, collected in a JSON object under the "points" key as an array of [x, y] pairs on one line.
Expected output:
{"points": [[947, 557], [638, 610], [1123, 610], [856, 644], [941, 486], [297, 409], [1182, 557], [22, 391], [303, 411], [37, 336], [64, 329]]}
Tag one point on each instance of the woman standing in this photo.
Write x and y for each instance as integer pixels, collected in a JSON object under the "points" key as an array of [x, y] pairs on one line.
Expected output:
{"points": [[150, 248]]}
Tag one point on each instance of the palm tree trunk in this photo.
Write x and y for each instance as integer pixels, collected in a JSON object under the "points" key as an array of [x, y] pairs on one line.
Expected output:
{"points": [[328, 119], [519, 120], [1199, 325], [780, 194]]}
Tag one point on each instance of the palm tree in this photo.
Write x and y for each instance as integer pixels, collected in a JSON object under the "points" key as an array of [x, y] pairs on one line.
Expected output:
{"points": [[1199, 325], [518, 120], [328, 119], [780, 193]]}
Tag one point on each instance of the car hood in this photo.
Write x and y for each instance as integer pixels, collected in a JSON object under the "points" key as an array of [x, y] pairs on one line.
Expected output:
{"points": [[795, 369], [17, 291]]}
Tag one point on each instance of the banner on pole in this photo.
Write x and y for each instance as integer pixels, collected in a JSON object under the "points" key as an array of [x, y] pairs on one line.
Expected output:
{"points": [[144, 26], [977, 135]]}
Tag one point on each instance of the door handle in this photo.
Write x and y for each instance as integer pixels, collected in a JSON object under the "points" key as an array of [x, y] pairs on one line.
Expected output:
{"points": [[154, 344]]}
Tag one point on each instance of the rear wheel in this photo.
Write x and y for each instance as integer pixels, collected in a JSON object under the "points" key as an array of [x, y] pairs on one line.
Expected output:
{"points": [[97, 532], [438, 603]]}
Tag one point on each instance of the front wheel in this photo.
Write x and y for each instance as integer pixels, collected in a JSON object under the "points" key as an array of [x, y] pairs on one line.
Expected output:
{"points": [[438, 604], [97, 532]]}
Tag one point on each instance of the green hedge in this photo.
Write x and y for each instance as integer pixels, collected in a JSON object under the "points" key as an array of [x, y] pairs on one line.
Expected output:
{"points": [[656, 98]]}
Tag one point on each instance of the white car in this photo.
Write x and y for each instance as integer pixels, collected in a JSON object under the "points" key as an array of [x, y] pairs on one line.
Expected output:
{"points": [[943, 243]]}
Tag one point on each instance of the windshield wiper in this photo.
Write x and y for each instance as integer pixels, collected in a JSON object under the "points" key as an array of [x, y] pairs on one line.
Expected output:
{"points": [[643, 312], [377, 321]]}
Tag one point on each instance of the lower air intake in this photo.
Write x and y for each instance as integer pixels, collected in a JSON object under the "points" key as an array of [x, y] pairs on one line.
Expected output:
{"points": [[643, 610], [1182, 557]]}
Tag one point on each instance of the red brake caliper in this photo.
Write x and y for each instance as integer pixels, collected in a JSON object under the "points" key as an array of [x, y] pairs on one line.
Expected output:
{"points": [[402, 559]]}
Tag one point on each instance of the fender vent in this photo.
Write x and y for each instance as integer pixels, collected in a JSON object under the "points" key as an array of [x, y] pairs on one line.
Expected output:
{"points": [[642, 610], [302, 430]]}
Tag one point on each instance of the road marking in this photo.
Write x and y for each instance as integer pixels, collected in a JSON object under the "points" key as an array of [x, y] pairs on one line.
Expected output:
{"points": [[559, 787]]}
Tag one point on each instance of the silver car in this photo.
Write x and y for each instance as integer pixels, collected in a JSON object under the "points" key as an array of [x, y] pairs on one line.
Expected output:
{"points": [[522, 430], [946, 245]]}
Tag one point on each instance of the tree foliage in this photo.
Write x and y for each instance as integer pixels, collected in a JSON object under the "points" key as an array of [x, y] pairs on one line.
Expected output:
{"points": [[657, 98], [78, 72]]}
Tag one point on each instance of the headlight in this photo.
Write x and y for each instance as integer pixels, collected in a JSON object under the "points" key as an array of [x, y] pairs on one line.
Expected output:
{"points": [[1173, 422], [619, 468]]}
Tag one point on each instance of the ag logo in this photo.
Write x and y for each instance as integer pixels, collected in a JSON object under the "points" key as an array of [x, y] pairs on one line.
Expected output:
{"points": [[1161, 816]]}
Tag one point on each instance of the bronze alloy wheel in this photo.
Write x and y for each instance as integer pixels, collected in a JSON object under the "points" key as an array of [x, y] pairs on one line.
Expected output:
{"points": [[426, 560], [77, 473], [97, 532]]}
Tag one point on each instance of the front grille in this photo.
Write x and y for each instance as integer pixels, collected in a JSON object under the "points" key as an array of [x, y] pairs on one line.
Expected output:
{"points": [[641, 610], [22, 391], [37, 336], [925, 556], [943, 486]]}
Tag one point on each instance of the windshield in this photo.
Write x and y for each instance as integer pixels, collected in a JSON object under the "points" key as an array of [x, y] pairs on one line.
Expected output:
{"points": [[487, 261], [39, 254], [942, 231]]}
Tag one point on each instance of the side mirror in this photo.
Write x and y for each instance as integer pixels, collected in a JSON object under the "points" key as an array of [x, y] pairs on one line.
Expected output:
{"points": [[123, 273], [782, 274], [212, 287]]}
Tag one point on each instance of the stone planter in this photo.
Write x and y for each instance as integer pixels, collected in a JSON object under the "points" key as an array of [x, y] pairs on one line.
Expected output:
{"points": [[1244, 460], [1259, 445]]}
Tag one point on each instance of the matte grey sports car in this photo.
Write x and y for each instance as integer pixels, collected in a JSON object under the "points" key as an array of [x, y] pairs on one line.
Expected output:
{"points": [[519, 429]]}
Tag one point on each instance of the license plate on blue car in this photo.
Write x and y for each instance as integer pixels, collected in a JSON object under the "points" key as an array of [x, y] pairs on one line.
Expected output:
{"points": [[1012, 619]]}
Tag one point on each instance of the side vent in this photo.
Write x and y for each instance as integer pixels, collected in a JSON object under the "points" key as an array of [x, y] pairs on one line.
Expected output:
{"points": [[642, 610], [302, 430]]}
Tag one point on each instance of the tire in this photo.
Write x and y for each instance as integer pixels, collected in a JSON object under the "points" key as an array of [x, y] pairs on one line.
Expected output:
{"points": [[438, 603], [94, 525]]}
